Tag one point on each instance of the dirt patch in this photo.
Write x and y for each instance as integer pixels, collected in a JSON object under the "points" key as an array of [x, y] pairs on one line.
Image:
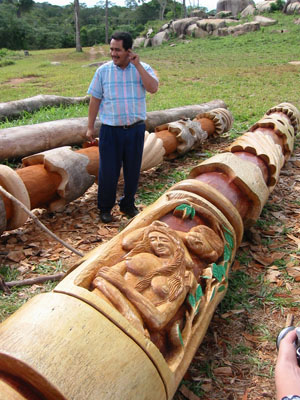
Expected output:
{"points": [[18, 81], [95, 51]]}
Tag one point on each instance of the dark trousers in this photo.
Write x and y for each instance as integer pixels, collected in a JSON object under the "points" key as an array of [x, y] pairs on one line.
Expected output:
{"points": [[119, 147]]}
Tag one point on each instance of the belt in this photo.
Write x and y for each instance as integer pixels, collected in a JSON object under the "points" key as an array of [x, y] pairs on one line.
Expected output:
{"points": [[132, 125]]}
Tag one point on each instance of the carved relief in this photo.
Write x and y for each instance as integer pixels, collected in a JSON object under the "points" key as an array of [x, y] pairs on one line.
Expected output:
{"points": [[160, 285]]}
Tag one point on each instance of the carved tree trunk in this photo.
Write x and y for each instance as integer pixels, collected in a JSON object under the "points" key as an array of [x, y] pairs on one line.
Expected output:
{"points": [[101, 336]]}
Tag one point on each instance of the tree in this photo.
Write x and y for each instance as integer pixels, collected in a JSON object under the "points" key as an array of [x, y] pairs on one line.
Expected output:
{"points": [[184, 9], [162, 4], [106, 21], [77, 27], [22, 6]]}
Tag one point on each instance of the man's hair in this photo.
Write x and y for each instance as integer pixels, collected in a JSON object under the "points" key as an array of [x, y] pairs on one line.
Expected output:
{"points": [[125, 37]]}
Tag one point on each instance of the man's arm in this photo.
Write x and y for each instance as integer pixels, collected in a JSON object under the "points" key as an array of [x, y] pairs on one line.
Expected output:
{"points": [[150, 83], [92, 115]]}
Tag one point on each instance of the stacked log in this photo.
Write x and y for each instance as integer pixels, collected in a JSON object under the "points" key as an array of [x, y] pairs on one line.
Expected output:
{"points": [[54, 178], [21, 141], [127, 321]]}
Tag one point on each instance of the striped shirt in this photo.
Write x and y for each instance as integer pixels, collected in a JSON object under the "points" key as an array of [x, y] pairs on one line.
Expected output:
{"points": [[122, 93]]}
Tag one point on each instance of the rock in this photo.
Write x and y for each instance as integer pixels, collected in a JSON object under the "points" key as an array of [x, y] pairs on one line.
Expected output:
{"points": [[148, 42], [223, 14], [191, 29], [297, 21], [159, 38], [249, 10], [234, 6], [263, 21], [293, 7], [210, 25], [198, 13], [244, 28], [200, 33], [179, 27], [149, 33], [138, 42], [265, 6]]}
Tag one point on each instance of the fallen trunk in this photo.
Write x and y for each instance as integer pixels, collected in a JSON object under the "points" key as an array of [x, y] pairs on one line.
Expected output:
{"points": [[25, 140], [13, 109]]}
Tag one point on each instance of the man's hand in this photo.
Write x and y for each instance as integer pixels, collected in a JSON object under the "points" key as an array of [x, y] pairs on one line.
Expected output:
{"points": [[134, 58], [90, 135], [287, 371]]}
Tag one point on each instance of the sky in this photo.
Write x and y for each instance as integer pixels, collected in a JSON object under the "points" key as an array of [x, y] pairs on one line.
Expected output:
{"points": [[210, 4]]}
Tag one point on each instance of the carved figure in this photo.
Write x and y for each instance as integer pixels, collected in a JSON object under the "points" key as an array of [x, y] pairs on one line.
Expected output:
{"points": [[150, 285]]}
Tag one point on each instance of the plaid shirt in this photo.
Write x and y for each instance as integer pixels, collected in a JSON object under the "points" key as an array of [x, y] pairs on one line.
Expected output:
{"points": [[122, 94]]}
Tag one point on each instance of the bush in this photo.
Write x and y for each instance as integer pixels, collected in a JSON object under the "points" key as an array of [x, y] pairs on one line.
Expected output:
{"points": [[277, 6]]}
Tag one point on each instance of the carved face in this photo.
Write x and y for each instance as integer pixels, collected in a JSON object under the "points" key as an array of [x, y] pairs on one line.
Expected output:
{"points": [[161, 244]]}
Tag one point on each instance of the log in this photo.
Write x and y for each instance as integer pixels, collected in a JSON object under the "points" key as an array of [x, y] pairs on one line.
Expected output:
{"points": [[55, 177], [126, 322], [13, 109], [25, 140]]}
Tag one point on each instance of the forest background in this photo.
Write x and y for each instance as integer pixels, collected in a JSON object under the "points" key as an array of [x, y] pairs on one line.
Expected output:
{"points": [[27, 25]]}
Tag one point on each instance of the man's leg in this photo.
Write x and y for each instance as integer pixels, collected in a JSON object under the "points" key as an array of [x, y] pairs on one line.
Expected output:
{"points": [[110, 151], [132, 160]]}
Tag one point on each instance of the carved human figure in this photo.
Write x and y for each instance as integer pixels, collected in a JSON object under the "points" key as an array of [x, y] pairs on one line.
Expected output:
{"points": [[151, 284]]}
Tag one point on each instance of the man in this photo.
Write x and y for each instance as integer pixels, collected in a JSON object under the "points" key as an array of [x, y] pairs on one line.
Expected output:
{"points": [[118, 93]]}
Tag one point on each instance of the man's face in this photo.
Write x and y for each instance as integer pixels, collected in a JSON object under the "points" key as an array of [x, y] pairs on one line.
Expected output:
{"points": [[119, 55]]}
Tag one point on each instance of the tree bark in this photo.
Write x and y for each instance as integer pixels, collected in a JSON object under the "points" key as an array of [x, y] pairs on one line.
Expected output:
{"points": [[77, 26], [22, 141], [106, 21], [12, 109]]}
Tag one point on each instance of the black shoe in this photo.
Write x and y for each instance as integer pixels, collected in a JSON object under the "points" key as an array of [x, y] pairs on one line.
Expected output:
{"points": [[130, 211], [106, 217]]}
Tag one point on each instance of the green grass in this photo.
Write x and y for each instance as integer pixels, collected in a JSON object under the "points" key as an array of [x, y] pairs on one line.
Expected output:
{"points": [[249, 72]]}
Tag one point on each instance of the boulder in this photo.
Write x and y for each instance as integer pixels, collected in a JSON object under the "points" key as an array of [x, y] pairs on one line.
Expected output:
{"points": [[221, 32], [159, 38], [223, 14], [179, 27], [249, 10], [293, 7], [191, 29], [263, 21], [198, 13], [210, 25], [244, 28], [264, 6], [148, 42], [200, 33], [234, 6], [138, 42]]}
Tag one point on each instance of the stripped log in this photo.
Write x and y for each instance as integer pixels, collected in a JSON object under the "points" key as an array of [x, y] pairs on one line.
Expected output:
{"points": [[53, 178], [127, 321], [22, 141], [15, 108]]}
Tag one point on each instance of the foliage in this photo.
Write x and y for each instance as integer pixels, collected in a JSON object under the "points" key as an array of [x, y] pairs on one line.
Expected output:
{"points": [[28, 25], [277, 6]]}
